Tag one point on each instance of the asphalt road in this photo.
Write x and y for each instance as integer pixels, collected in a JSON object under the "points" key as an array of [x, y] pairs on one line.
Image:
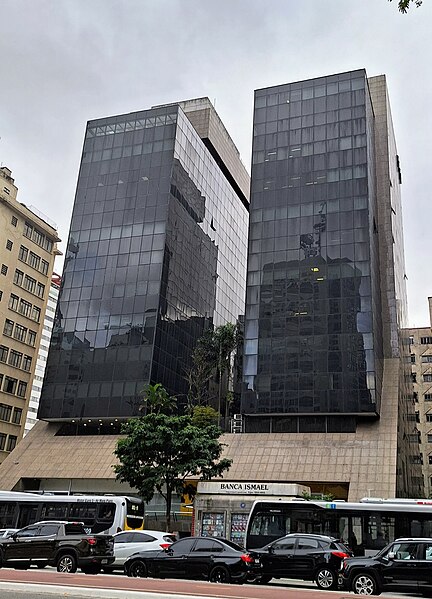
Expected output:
{"points": [[49, 584]]}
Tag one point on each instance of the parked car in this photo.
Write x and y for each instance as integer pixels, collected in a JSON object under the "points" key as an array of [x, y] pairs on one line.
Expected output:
{"points": [[55, 543], [404, 565], [202, 558], [302, 556], [7, 532], [128, 542]]}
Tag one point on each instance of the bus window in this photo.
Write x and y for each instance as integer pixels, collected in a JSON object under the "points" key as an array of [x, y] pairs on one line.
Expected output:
{"points": [[340, 529], [28, 513], [271, 525], [134, 515], [7, 515], [421, 528], [379, 530], [85, 512], [106, 512], [54, 511], [355, 540]]}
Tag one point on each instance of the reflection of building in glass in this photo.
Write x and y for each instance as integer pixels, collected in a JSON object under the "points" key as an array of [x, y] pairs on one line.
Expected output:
{"points": [[325, 291]]}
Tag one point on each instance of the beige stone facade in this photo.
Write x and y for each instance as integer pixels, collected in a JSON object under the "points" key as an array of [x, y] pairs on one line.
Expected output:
{"points": [[27, 252], [394, 305], [421, 367], [364, 461]]}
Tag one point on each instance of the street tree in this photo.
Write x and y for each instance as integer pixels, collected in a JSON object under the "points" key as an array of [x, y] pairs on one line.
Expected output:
{"points": [[160, 452]]}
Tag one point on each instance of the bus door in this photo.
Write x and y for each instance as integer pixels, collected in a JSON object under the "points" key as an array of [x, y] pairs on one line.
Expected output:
{"points": [[28, 513], [105, 518]]}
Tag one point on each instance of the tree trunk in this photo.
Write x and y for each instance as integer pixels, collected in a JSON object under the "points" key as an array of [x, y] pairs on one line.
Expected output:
{"points": [[168, 509]]}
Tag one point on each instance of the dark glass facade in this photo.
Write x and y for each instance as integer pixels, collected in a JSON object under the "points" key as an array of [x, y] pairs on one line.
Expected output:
{"points": [[156, 253], [313, 334]]}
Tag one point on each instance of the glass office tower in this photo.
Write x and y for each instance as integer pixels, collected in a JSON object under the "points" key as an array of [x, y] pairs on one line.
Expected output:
{"points": [[156, 254], [313, 331]]}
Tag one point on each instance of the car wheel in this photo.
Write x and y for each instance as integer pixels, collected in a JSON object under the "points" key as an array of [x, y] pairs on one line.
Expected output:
{"points": [[365, 584], [67, 563], [137, 569], [219, 574], [325, 579], [91, 569]]}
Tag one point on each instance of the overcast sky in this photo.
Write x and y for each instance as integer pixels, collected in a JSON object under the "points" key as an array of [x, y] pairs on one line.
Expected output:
{"points": [[64, 62]]}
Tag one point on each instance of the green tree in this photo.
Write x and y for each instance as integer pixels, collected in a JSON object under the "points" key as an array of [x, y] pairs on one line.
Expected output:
{"points": [[204, 415], [317, 496], [157, 400], [404, 5], [160, 452]]}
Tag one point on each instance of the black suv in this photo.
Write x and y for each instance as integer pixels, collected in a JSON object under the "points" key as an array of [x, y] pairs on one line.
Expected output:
{"points": [[65, 545], [302, 556], [404, 565]]}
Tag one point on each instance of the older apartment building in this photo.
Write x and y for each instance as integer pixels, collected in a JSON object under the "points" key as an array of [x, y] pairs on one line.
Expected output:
{"points": [[421, 367], [41, 361], [27, 252]]}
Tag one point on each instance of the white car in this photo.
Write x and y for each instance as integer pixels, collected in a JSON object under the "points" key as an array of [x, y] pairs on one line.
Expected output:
{"points": [[130, 541]]}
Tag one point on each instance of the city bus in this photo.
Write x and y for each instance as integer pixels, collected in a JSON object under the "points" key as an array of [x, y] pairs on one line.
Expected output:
{"points": [[100, 513], [365, 527]]}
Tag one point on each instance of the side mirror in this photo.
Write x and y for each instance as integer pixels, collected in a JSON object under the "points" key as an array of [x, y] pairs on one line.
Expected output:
{"points": [[391, 555], [13, 536], [271, 549]]}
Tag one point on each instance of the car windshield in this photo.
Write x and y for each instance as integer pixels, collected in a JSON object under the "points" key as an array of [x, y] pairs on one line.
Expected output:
{"points": [[383, 551]]}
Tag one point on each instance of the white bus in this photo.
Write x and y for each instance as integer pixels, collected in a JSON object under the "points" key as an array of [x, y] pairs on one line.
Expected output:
{"points": [[366, 526], [100, 513]]}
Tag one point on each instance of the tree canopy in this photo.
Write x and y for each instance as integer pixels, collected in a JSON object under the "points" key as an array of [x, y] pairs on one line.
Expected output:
{"points": [[160, 452], [404, 5], [157, 400]]}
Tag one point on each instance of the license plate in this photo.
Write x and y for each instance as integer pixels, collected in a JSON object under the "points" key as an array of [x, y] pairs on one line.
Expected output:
{"points": [[257, 561]]}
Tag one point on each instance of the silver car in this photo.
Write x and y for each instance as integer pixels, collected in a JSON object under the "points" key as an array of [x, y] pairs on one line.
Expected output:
{"points": [[131, 541]]}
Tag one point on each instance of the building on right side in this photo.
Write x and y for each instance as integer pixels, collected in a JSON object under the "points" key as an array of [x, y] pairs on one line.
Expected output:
{"points": [[421, 370], [327, 382]]}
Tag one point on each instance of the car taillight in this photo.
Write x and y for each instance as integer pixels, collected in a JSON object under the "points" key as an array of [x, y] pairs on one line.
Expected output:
{"points": [[165, 545], [91, 541], [340, 554], [248, 559]]}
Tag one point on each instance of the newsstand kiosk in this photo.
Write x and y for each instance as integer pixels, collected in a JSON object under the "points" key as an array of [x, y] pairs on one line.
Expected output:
{"points": [[221, 508]]}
